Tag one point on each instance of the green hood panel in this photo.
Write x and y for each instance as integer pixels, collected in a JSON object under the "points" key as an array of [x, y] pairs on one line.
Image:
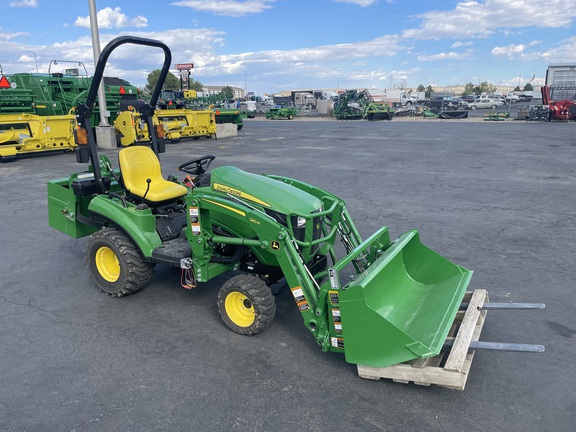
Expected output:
{"points": [[263, 191]]}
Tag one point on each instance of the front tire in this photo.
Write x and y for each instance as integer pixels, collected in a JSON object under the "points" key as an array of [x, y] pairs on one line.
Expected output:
{"points": [[115, 263], [246, 304]]}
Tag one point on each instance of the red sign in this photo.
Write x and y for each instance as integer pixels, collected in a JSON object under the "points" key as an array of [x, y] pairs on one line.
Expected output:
{"points": [[4, 84], [184, 66]]}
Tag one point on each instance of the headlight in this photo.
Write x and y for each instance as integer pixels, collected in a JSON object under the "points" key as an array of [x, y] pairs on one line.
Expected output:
{"points": [[300, 221]]}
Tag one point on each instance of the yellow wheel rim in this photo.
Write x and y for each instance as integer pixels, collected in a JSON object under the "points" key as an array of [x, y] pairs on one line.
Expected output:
{"points": [[239, 309], [107, 264]]}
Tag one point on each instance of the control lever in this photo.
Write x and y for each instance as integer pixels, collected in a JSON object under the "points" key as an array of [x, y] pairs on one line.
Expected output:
{"points": [[148, 181]]}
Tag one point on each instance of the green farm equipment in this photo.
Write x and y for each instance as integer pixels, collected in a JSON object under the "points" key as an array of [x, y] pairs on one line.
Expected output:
{"points": [[222, 113], [287, 113], [57, 93], [171, 99], [229, 115], [36, 110], [359, 105], [398, 305]]}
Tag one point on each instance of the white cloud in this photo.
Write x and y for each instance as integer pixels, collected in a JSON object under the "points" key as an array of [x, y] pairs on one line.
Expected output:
{"points": [[514, 51], [385, 46], [112, 18], [444, 56], [233, 8], [479, 19], [509, 51], [363, 3], [24, 3], [461, 44], [10, 36], [565, 53]]}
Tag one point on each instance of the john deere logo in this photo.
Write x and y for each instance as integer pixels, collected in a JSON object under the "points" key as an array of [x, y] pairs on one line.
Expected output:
{"points": [[275, 245]]}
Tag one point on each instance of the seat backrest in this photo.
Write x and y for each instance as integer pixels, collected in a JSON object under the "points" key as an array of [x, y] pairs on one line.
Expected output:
{"points": [[137, 164]]}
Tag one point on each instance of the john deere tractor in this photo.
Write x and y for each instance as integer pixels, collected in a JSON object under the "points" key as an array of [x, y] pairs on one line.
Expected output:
{"points": [[260, 229]]}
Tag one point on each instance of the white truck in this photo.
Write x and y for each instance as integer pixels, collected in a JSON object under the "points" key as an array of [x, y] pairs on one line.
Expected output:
{"points": [[394, 97], [512, 97], [303, 99]]}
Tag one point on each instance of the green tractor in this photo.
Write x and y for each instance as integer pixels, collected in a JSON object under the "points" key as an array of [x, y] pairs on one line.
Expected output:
{"points": [[281, 113], [399, 303], [358, 105]]}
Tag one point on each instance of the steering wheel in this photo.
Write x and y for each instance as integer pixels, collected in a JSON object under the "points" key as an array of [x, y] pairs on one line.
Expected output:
{"points": [[197, 166]]}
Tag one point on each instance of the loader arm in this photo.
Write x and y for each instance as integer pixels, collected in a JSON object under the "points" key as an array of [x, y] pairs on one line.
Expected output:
{"points": [[271, 243], [401, 299]]}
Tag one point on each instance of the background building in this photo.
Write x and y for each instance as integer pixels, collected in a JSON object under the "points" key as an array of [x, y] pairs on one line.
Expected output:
{"points": [[212, 90]]}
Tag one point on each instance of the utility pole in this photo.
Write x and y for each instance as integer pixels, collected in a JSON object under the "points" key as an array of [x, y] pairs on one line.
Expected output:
{"points": [[96, 50], [105, 134]]}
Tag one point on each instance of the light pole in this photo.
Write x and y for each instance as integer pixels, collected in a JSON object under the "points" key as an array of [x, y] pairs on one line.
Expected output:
{"points": [[96, 50], [35, 61]]}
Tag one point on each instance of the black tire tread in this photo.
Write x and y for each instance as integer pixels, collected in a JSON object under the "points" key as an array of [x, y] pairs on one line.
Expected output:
{"points": [[262, 299], [138, 270]]}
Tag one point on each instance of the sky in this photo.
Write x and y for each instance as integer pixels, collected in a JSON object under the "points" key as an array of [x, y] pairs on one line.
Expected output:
{"points": [[268, 46]]}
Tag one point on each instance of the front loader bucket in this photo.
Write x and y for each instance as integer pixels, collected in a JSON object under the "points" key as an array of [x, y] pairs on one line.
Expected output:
{"points": [[402, 307]]}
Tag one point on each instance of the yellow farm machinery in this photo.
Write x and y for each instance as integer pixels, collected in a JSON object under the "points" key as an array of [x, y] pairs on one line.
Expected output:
{"points": [[31, 133], [172, 124], [37, 113]]}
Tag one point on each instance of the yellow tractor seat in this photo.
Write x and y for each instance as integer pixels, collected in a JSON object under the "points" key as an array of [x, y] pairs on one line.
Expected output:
{"points": [[137, 165]]}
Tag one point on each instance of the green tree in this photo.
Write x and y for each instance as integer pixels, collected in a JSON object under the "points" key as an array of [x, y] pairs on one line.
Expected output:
{"points": [[517, 89], [421, 88], [171, 82], [227, 93], [195, 85], [486, 87], [469, 89], [429, 90], [528, 87]]}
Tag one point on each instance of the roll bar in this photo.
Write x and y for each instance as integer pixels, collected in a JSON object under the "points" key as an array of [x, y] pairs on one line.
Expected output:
{"points": [[86, 150]]}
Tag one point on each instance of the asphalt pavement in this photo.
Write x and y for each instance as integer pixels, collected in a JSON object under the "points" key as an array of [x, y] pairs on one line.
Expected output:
{"points": [[495, 197]]}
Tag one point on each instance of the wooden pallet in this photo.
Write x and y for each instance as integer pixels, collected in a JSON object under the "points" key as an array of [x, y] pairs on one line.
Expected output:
{"points": [[451, 367]]}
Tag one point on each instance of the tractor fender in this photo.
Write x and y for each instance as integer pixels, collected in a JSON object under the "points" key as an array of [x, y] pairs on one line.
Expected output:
{"points": [[140, 225]]}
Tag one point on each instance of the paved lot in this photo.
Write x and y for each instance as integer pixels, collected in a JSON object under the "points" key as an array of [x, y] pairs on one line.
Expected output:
{"points": [[497, 198]]}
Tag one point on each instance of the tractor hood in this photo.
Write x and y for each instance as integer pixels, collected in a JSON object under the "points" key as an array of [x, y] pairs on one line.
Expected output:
{"points": [[263, 191]]}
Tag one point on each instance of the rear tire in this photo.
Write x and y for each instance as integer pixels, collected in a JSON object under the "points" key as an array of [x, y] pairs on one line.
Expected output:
{"points": [[115, 263], [246, 304]]}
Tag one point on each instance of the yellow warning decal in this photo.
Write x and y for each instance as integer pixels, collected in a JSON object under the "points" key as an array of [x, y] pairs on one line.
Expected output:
{"points": [[235, 192], [226, 207], [194, 220], [333, 295], [300, 299]]}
